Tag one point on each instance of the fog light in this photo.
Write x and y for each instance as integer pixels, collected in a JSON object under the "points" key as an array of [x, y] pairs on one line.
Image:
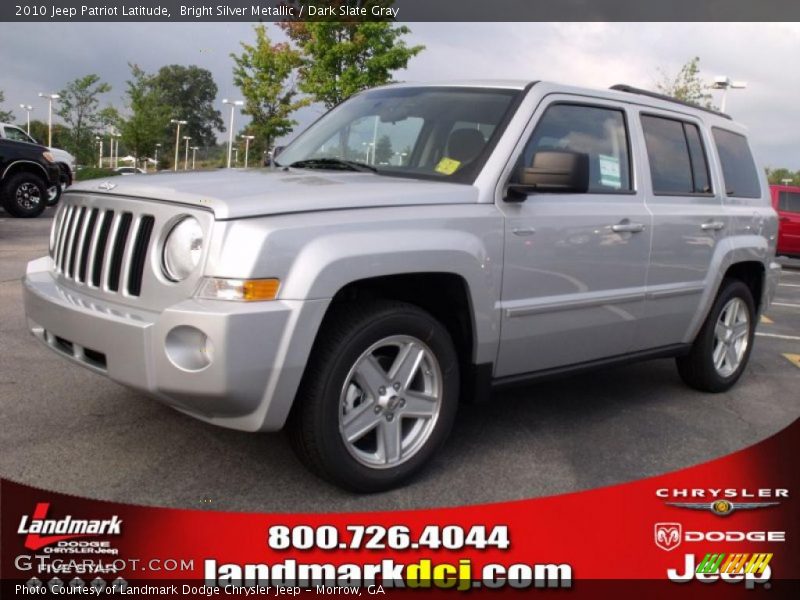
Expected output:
{"points": [[188, 348]]}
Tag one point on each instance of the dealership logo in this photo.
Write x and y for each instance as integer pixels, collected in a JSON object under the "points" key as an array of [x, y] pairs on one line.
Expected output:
{"points": [[752, 569], [41, 531], [668, 535], [722, 508]]}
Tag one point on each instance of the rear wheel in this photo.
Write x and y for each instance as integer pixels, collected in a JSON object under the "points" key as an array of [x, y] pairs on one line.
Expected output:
{"points": [[721, 350], [378, 397], [24, 195]]}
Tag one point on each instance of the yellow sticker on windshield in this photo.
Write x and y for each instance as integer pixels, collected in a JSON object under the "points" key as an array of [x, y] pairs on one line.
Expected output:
{"points": [[447, 166]]}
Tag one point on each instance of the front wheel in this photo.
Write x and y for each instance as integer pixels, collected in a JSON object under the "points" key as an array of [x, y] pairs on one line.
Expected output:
{"points": [[379, 395], [24, 195], [721, 350]]}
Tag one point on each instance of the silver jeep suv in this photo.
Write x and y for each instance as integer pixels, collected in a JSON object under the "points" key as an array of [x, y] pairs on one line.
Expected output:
{"points": [[418, 246]]}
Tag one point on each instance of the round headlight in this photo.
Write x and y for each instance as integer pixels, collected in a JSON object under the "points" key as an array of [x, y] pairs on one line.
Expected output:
{"points": [[182, 249]]}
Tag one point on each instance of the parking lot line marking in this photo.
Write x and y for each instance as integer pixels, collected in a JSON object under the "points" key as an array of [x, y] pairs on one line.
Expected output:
{"points": [[786, 304], [778, 336], [766, 320], [789, 285], [793, 358]]}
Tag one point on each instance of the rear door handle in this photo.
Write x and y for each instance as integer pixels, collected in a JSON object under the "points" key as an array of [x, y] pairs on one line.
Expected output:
{"points": [[712, 226], [625, 227]]}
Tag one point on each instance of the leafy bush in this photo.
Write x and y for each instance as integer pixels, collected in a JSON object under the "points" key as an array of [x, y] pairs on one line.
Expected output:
{"points": [[94, 173]]}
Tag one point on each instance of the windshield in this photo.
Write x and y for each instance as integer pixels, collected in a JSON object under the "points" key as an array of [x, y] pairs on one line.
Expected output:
{"points": [[427, 132]]}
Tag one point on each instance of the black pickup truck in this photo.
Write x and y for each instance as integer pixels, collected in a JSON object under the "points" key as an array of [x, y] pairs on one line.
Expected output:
{"points": [[28, 177]]}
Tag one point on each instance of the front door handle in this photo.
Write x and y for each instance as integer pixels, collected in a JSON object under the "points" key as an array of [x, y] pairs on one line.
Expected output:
{"points": [[627, 227], [712, 226]]}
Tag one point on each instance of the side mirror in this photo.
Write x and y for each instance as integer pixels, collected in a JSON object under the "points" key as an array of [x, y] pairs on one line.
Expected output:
{"points": [[559, 171]]}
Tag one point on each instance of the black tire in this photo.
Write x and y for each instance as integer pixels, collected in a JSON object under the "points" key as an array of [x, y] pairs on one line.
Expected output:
{"points": [[24, 195], [63, 182], [348, 331], [697, 367]]}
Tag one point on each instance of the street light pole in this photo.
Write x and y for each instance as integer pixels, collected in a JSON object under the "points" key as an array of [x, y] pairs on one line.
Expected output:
{"points": [[115, 148], [100, 159], [194, 153], [724, 83], [27, 108], [233, 104], [50, 98], [177, 122], [247, 139], [186, 154]]}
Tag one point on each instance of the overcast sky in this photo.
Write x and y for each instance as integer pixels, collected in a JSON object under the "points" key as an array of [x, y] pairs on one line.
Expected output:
{"points": [[43, 57]]}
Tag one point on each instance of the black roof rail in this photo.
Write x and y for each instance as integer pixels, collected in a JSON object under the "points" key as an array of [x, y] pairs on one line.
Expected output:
{"points": [[621, 87]]}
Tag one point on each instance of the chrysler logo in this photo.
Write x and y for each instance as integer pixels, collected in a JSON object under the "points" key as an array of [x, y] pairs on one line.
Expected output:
{"points": [[106, 185]]}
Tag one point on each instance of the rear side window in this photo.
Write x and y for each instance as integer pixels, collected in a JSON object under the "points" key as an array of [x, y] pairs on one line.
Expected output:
{"points": [[597, 131], [738, 167], [676, 155], [789, 201]]}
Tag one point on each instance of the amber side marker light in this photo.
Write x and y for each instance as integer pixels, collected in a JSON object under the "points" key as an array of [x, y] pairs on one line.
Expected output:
{"points": [[242, 290]]}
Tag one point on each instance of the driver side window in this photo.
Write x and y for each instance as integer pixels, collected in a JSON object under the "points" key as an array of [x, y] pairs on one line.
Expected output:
{"points": [[17, 135], [599, 132]]}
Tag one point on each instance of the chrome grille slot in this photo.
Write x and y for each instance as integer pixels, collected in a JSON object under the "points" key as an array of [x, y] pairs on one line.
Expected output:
{"points": [[141, 244], [75, 241], [99, 252], [88, 236], [62, 237], [118, 250]]}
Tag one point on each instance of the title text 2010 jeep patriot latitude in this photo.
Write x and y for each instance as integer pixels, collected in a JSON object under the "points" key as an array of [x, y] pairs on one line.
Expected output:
{"points": [[417, 245]]}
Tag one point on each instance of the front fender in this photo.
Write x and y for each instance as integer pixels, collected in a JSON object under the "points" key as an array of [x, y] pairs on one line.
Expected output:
{"points": [[316, 255]]}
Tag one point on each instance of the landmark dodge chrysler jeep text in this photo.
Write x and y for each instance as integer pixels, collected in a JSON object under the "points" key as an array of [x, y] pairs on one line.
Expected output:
{"points": [[416, 247]]}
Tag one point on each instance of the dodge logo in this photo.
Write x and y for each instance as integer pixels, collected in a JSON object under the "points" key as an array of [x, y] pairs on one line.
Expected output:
{"points": [[668, 535]]}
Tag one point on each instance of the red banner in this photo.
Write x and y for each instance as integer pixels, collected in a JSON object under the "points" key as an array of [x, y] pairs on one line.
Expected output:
{"points": [[723, 528]]}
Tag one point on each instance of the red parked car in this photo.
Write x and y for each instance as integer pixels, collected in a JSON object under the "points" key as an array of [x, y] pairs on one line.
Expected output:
{"points": [[786, 201]]}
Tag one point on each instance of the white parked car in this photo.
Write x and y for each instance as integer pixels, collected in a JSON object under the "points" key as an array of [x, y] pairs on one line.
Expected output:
{"points": [[128, 170]]}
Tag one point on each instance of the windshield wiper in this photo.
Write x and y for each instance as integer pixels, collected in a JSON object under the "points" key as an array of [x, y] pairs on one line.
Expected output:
{"points": [[333, 163]]}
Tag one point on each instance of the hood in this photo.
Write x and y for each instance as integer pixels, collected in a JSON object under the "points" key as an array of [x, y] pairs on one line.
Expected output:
{"points": [[234, 193], [63, 156]]}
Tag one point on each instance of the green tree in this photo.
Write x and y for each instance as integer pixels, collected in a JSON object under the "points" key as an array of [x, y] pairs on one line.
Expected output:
{"points": [[78, 108], [342, 58], [191, 92], [780, 175], [687, 85], [383, 150], [264, 73], [61, 133], [149, 116], [6, 116]]}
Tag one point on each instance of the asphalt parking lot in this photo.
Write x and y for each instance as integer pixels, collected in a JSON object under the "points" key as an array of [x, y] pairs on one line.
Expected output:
{"points": [[69, 430]]}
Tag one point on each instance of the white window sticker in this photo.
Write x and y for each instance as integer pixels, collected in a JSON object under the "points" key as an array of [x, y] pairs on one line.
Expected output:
{"points": [[609, 171]]}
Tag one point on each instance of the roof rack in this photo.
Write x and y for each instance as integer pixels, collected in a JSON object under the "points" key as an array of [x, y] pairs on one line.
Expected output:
{"points": [[621, 87]]}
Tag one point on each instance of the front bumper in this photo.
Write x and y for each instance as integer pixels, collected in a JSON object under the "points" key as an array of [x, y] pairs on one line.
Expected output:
{"points": [[256, 351]]}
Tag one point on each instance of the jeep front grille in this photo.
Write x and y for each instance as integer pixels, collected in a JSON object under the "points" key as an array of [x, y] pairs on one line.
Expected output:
{"points": [[103, 248]]}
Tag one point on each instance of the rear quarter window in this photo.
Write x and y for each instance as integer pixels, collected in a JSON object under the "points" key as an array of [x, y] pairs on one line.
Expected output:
{"points": [[738, 168]]}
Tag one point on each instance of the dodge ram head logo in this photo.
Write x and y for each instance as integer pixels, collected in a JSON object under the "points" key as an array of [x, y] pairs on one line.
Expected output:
{"points": [[668, 535]]}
